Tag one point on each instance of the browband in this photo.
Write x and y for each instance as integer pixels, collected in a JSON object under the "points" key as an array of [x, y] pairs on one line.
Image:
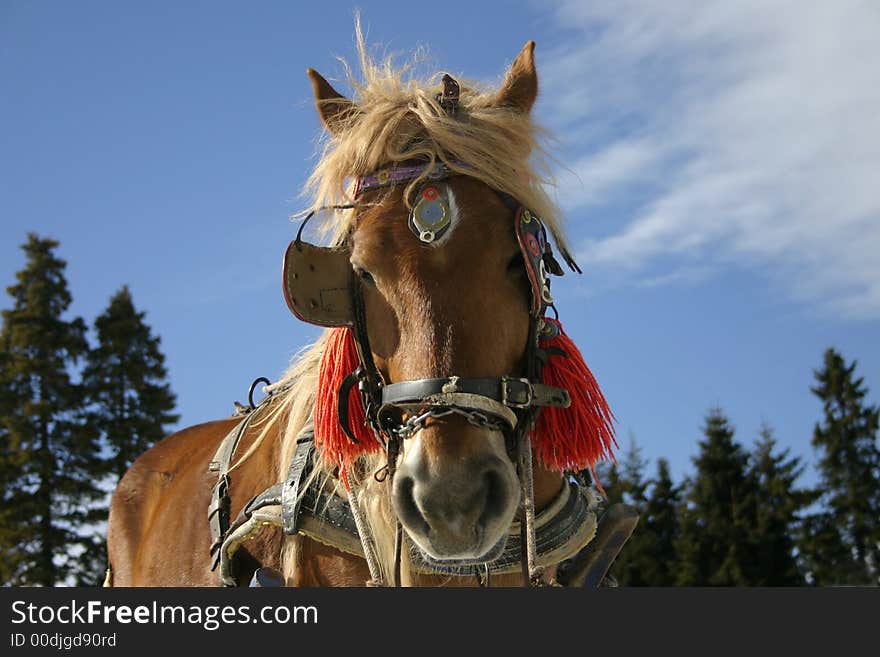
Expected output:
{"points": [[396, 175]]}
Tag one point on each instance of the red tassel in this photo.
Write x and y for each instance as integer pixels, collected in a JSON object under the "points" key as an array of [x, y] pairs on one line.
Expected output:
{"points": [[572, 438], [340, 359]]}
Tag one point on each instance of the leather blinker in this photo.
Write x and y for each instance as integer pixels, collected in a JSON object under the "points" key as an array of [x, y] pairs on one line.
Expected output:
{"points": [[317, 284]]}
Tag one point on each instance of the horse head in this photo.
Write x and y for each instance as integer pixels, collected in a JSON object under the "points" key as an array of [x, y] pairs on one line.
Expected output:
{"points": [[436, 284]]}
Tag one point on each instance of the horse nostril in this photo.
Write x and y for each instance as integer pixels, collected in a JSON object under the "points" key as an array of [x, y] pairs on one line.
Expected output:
{"points": [[407, 509], [496, 497]]}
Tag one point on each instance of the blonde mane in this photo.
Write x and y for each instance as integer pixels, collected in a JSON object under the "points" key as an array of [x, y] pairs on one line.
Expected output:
{"points": [[398, 119]]}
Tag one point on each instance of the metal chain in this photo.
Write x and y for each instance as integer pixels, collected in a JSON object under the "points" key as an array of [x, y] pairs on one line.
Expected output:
{"points": [[417, 422]]}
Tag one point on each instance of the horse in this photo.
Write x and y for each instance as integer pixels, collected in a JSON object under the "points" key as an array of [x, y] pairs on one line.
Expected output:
{"points": [[442, 429]]}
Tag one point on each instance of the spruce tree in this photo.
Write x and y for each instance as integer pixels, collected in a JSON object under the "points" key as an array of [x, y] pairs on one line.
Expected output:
{"points": [[841, 543], [661, 523], [772, 514], [649, 556], [125, 377], [608, 477], [631, 489], [713, 547], [12, 522], [50, 459]]}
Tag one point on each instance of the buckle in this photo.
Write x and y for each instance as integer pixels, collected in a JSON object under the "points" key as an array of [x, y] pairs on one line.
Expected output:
{"points": [[516, 396]]}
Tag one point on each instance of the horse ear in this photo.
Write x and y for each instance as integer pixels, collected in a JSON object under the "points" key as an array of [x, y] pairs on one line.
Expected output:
{"points": [[333, 108], [520, 88]]}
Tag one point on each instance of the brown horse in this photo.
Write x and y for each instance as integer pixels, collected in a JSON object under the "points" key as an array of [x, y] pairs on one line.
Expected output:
{"points": [[453, 294]]}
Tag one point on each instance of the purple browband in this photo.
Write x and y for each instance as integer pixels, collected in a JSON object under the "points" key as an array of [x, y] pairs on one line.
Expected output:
{"points": [[396, 175]]}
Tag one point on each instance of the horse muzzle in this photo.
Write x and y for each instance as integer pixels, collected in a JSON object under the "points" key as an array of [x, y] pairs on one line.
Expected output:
{"points": [[457, 508]]}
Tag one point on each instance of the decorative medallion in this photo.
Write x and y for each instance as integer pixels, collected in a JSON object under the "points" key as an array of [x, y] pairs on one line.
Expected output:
{"points": [[429, 218]]}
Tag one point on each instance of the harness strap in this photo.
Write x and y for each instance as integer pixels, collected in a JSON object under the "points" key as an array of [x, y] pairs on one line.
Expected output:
{"points": [[218, 518], [223, 456], [342, 397], [397, 175], [291, 499], [509, 391], [246, 524], [589, 567], [269, 497], [533, 574], [265, 514], [366, 538], [219, 509]]}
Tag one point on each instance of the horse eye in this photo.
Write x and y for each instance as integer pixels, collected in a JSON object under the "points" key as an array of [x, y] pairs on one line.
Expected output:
{"points": [[516, 266], [365, 276]]}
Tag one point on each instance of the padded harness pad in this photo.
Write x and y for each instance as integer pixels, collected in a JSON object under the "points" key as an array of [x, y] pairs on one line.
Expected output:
{"points": [[317, 284]]}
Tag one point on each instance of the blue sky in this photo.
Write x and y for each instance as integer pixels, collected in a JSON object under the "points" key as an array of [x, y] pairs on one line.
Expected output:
{"points": [[717, 165]]}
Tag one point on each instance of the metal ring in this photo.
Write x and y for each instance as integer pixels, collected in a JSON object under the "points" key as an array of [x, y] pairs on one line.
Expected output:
{"points": [[298, 240], [253, 387]]}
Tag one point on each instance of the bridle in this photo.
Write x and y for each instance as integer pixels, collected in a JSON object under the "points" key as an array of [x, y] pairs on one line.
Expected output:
{"points": [[508, 403], [396, 411], [320, 287]]}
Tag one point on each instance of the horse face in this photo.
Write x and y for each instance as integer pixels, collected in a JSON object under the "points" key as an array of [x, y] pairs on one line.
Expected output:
{"points": [[455, 307]]}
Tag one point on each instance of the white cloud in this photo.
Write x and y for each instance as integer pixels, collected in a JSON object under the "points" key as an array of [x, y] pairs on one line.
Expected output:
{"points": [[682, 275], [748, 131], [592, 178]]}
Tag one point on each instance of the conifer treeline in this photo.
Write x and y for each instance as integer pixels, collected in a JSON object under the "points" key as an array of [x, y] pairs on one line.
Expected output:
{"points": [[741, 519], [74, 415], [72, 418]]}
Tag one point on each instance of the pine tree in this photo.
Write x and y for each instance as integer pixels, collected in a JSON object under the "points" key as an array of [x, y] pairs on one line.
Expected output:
{"points": [[608, 477], [630, 487], [130, 402], [661, 523], [49, 454], [772, 514], [12, 522], [125, 377], [712, 547], [649, 556], [841, 544]]}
